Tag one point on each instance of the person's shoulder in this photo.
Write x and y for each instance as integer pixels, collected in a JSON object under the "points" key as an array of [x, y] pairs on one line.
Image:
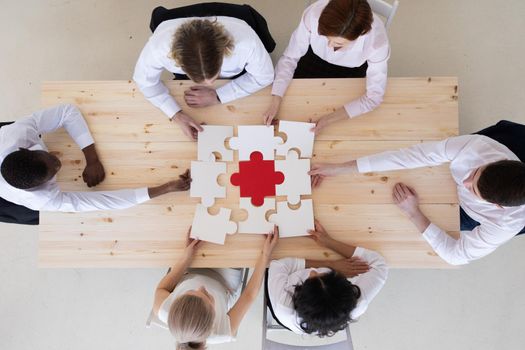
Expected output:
{"points": [[312, 13]]}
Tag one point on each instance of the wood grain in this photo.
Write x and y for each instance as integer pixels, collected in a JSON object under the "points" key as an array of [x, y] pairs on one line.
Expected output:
{"points": [[140, 147]]}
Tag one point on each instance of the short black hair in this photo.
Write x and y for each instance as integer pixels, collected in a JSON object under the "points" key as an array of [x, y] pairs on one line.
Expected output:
{"points": [[503, 183], [24, 169], [324, 302]]}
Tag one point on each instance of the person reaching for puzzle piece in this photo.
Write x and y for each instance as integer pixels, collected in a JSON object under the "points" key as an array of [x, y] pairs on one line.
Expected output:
{"points": [[335, 39], [28, 170], [322, 297], [490, 182], [206, 306]]}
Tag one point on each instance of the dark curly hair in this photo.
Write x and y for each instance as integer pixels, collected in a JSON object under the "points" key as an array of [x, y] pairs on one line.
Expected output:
{"points": [[24, 169], [324, 302], [503, 183]]}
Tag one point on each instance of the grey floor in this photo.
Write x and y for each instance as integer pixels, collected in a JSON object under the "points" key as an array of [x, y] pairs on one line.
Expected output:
{"points": [[479, 306]]}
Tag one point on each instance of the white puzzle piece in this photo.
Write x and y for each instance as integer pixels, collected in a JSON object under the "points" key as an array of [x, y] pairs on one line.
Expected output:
{"points": [[212, 140], [204, 183], [256, 222], [299, 136], [292, 222], [251, 138], [297, 182], [212, 228]]}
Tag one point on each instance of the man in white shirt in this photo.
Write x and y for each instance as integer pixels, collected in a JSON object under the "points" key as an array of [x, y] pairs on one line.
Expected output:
{"points": [[490, 182], [321, 297], [204, 49], [28, 170]]}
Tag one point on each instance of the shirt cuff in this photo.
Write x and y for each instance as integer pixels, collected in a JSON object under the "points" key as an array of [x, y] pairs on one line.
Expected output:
{"points": [[431, 233], [358, 252], [226, 93], [170, 107], [279, 89], [84, 140], [353, 109], [363, 165], [142, 195]]}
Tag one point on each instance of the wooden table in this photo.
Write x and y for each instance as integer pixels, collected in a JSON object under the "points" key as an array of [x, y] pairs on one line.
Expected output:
{"points": [[139, 147]]}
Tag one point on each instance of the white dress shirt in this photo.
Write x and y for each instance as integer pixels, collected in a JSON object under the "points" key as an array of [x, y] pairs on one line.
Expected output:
{"points": [[373, 47], [249, 54], [25, 133], [285, 274], [465, 154]]}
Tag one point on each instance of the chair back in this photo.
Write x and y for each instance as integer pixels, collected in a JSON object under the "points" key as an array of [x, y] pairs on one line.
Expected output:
{"points": [[384, 9]]}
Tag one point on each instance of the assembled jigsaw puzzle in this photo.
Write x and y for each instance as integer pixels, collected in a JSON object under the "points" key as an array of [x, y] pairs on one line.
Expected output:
{"points": [[260, 179]]}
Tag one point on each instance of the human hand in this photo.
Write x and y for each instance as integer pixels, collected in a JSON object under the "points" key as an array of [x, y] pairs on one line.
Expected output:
{"points": [[351, 267], [182, 184], [93, 173], [320, 236], [191, 247], [320, 171], [406, 199], [322, 123], [271, 112], [269, 244], [189, 126], [201, 96]]}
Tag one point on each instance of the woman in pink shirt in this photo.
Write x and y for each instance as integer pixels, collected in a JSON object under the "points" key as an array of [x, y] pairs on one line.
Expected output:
{"points": [[336, 39]]}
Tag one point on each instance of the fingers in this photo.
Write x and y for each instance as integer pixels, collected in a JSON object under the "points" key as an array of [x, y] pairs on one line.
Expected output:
{"points": [[316, 180]]}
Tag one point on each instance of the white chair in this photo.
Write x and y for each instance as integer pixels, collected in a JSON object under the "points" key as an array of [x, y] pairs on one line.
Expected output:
{"points": [[384, 9], [270, 324], [153, 320]]}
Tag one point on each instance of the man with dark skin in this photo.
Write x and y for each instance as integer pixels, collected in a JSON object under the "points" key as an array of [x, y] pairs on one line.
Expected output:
{"points": [[28, 170]]}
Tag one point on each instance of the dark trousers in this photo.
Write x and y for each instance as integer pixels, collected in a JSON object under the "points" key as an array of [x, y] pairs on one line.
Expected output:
{"points": [[16, 214], [511, 135], [243, 12], [313, 66]]}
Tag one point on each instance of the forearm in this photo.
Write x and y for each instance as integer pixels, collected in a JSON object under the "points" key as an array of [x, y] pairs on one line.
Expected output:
{"points": [[159, 190], [419, 220], [254, 285], [90, 153], [343, 249], [170, 281]]}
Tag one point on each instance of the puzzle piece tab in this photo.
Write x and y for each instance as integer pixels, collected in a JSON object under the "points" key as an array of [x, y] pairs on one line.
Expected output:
{"points": [[298, 136], [256, 221], [204, 181], [212, 140], [257, 178], [212, 228], [252, 138], [297, 182], [292, 222]]}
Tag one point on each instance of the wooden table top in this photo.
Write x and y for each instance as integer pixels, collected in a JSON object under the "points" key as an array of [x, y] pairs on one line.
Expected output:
{"points": [[139, 147]]}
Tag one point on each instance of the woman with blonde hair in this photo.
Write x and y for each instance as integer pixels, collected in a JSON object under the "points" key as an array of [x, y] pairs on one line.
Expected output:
{"points": [[206, 306], [202, 49]]}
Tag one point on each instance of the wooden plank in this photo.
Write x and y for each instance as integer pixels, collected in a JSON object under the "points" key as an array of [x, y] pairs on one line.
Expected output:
{"points": [[413, 109], [163, 161], [115, 239]]}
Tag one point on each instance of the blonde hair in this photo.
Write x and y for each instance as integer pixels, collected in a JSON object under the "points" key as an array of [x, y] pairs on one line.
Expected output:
{"points": [[199, 47], [190, 321]]}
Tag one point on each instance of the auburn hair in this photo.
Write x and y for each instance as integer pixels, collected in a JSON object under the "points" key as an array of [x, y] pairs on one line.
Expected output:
{"points": [[347, 19], [199, 47]]}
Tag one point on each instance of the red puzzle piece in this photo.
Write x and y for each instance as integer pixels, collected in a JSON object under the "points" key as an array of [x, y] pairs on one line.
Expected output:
{"points": [[257, 178]]}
